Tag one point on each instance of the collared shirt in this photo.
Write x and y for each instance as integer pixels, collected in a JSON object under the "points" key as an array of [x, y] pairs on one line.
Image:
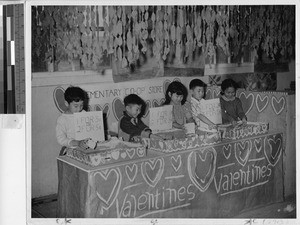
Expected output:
{"points": [[132, 126]]}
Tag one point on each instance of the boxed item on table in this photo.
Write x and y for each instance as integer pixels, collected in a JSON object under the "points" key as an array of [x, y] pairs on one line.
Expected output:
{"points": [[107, 152]]}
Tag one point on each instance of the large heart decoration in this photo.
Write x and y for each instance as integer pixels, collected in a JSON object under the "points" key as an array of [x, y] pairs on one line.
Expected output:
{"points": [[216, 92], [107, 185], [59, 99], [201, 167], [227, 151], [104, 109], [152, 171], [261, 103], [156, 103], [247, 101], [278, 105], [118, 108], [273, 149], [131, 172], [176, 162], [242, 151], [258, 144], [209, 94], [148, 103]]}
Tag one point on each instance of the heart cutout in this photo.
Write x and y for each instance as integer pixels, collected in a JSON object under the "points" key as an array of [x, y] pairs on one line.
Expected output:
{"points": [[227, 151], [59, 99], [176, 162], [118, 108], [242, 151], [258, 144], [201, 167], [261, 103], [130, 152], [107, 185], [152, 171], [148, 103], [209, 93], [104, 109], [273, 149], [278, 105], [247, 101], [115, 154], [131, 172], [156, 103], [141, 151]]}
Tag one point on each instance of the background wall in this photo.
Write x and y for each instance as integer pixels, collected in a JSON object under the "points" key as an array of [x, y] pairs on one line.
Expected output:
{"points": [[284, 79]]}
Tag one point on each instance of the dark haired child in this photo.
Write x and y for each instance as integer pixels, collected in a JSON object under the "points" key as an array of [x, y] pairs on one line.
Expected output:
{"points": [[231, 106], [176, 95], [198, 90], [65, 128], [131, 126]]}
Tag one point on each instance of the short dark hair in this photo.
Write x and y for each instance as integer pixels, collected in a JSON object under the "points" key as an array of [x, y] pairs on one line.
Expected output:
{"points": [[134, 99], [197, 83], [178, 88], [228, 83], [75, 94]]}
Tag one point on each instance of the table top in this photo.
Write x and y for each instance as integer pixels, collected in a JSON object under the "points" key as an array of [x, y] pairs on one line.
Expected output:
{"points": [[150, 155]]}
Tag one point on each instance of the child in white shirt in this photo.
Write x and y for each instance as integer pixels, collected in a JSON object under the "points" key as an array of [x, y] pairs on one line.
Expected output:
{"points": [[198, 89], [65, 128]]}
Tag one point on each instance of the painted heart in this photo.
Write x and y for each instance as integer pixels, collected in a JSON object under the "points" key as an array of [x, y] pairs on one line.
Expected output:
{"points": [[123, 155], [176, 162], [105, 109], [115, 154], [273, 149], [258, 144], [107, 186], [166, 85], [152, 171], [59, 99], [278, 105], [140, 151], [148, 103], [95, 160], [130, 152], [201, 167], [209, 94], [216, 92], [131, 171], [227, 151], [156, 103], [118, 108], [247, 101], [261, 103], [242, 151], [161, 144]]}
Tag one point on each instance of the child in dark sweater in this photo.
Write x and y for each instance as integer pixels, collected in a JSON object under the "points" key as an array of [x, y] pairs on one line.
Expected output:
{"points": [[231, 106], [132, 128]]}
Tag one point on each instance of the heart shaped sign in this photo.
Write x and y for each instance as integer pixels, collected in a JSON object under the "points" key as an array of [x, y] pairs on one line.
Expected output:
{"points": [[273, 149], [247, 101], [201, 167], [261, 103], [107, 186], [152, 171], [59, 99], [278, 105], [242, 151], [118, 108]]}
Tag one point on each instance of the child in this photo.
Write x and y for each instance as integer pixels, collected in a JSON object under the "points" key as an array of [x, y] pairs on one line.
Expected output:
{"points": [[198, 90], [131, 122], [176, 95], [65, 129], [231, 106]]}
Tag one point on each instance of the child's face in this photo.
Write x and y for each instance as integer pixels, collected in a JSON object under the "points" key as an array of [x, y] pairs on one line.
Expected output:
{"points": [[75, 107], [230, 93], [198, 92], [133, 110], [175, 98]]}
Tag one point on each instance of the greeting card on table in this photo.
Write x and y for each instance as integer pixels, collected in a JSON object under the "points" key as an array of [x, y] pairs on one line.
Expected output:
{"points": [[89, 125], [160, 118], [212, 110]]}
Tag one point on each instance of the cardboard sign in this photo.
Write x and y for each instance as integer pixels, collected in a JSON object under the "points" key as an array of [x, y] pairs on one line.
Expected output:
{"points": [[212, 110], [89, 125], [160, 118]]}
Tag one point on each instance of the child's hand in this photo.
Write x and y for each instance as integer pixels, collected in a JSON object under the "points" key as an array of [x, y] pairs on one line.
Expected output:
{"points": [[244, 121]]}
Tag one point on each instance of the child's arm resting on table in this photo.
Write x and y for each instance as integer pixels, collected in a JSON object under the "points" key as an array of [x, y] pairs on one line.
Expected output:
{"points": [[206, 120]]}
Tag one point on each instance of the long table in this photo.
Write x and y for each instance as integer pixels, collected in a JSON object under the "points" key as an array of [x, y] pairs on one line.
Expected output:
{"points": [[216, 181]]}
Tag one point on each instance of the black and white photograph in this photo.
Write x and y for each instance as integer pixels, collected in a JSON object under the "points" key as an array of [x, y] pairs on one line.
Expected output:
{"points": [[166, 113]]}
